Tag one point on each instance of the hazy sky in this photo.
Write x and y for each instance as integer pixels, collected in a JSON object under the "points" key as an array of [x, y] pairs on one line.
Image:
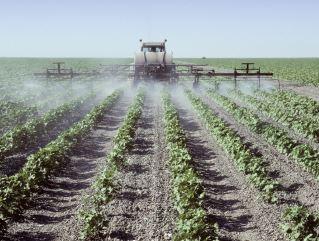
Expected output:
{"points": [[212, 28]]}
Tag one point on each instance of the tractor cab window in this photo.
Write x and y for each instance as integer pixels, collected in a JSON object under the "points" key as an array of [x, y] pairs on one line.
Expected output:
{"points": [[152, 49]]}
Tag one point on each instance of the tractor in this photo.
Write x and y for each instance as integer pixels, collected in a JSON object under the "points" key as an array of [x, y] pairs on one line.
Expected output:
{"points": [[152, 62]]}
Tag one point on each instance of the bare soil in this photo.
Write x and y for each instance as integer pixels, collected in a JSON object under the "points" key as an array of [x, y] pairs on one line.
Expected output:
{"points": [[142, 210], [53, 214]]}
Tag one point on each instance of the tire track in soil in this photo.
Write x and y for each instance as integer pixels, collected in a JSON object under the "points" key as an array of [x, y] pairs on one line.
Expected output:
{"points": [[53, 215], [297, 186], [143, 209], [230, 200]]}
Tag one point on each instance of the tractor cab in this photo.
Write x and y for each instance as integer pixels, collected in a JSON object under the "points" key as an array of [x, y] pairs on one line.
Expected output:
{"points": [[154, 47], [153, 62]]}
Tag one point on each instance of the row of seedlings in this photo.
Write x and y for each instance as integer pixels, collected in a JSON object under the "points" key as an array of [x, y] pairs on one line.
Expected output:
{"points": [[17, 190], [246, 161], [18, 112], [28, 134], [303, 154], [188, 194], [291, 102], [14, 113], [299, 224], [104, 187], [303, 125]]}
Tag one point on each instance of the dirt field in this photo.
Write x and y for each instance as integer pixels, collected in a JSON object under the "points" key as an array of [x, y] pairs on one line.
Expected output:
{"points": [[142, 208]]}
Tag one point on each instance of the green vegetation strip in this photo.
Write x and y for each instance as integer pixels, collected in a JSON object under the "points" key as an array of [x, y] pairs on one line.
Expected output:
{"points": [[303, 154], [16, 191], [291, 102], [299, 224], [104, 188], [188, 194], [29, 133], [232, 144], [15, 113], [305, 126]]}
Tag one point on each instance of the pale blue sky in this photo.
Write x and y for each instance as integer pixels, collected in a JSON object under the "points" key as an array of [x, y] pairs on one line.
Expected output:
{"points": [[103, 28]]}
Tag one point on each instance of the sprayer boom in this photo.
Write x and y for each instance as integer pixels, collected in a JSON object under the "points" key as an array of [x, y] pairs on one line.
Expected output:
{"points": [[153, 62]]}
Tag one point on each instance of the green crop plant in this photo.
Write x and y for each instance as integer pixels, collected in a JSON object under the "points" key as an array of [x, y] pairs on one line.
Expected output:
{"points": [[303, 154], [299, 224], [15, 113], [104, 187], [291, 102], [303, 125], [232, 144], [29, 133], [17, 190], [188, 193]]}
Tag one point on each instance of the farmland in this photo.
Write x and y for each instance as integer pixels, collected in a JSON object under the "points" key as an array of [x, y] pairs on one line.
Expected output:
{"points": [[94, 158], [302, 71]]}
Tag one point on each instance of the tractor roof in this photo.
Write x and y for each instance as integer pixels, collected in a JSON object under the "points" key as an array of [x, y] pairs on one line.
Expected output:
{"points": [[151, 44]]}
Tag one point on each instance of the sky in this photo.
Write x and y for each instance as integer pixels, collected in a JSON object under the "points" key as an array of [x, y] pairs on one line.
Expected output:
{"points": [[193, 28]]}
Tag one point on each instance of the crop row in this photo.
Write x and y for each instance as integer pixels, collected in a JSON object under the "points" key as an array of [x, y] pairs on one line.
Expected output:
{"points": [[104, 186], [299, 224], [291, 102], [7, 106], [304, 126], [16, 191], [245, 160], [14, 113], [303, 154], [29, 133], [187, 189]]}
